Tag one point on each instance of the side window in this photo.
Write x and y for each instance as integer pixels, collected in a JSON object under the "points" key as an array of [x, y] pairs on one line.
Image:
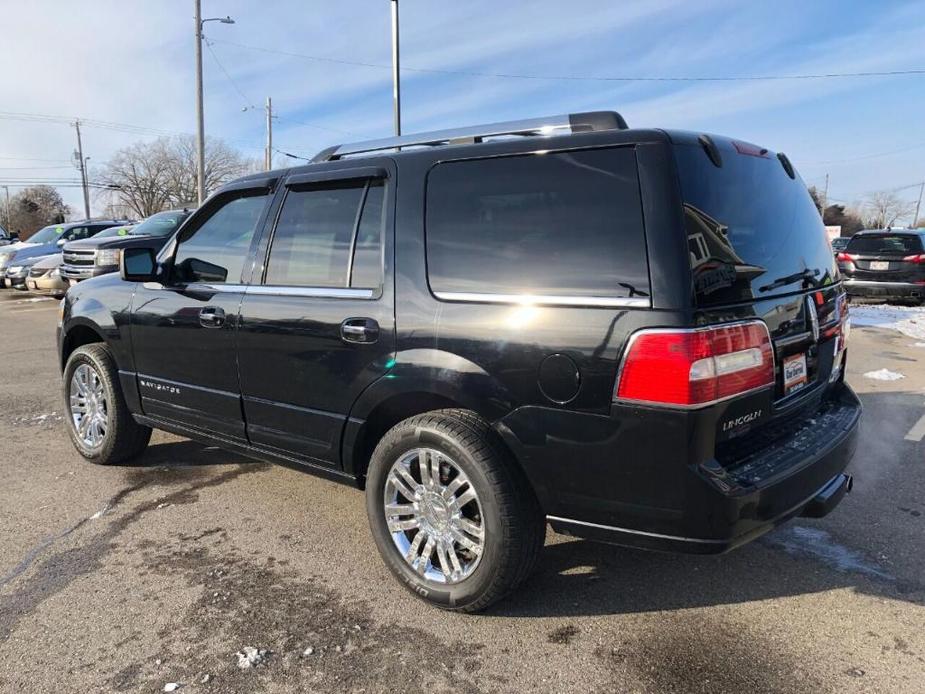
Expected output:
{"points": [[319, 227], [215, 251], [76, 233], [556, 224], [367, 253]]}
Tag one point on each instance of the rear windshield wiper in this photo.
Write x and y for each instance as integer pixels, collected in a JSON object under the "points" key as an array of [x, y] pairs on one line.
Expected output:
{"points": [[807, 275]]}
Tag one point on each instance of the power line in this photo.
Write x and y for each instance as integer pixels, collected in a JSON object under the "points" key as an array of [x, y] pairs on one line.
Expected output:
{"points": [[864, 156], [105, 125], [247, 102], [582, 78]]}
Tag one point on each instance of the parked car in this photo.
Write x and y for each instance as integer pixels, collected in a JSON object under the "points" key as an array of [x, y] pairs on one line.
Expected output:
{"points": [[885, 264], [6, 237], [100, 255], [50, 240], [17, 273], [839, 243], [45, 277], [576, 323]]}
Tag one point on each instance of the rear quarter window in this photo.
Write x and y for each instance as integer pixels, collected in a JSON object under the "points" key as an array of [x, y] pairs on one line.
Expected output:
{"points": [[555, 224]]}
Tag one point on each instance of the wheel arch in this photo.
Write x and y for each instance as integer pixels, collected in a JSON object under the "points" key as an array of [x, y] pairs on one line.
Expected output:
{"points": [[420, 381], [78, 334]]}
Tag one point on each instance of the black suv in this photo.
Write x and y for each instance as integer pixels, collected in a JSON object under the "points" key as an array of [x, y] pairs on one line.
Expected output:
{"points": [[885, 264], [100, 255], [637, 336]]}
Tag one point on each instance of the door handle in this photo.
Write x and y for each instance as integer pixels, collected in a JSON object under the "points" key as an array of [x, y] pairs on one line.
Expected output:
{"points": [[212, 317], [362, 330]]}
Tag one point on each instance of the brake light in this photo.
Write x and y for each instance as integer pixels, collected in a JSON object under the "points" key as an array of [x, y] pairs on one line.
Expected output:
{"points": [[918, 259], [846, 257], [696, 367]]}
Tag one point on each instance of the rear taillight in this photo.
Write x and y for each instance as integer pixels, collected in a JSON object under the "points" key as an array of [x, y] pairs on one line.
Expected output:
{"points": [[846, 257], [696, 367], [918, 259]]}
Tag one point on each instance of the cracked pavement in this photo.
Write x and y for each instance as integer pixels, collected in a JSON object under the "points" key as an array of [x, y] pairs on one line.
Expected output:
{"points": [[126, 579]]}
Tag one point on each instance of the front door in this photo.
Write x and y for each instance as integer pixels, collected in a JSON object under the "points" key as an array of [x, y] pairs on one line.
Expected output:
{"points": [[319, 326], [183, 332]]}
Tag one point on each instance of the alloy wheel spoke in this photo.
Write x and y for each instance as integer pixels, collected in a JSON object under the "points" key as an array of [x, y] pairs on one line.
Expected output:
{"points": [[401, 485], [473, 529], [396, 525], [424, 560], [465, 497], [399, 509]]}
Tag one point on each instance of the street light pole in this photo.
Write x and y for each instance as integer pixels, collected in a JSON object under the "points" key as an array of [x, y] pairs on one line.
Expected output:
{"points": [[396, 83], [200, 123], [268, 159]]}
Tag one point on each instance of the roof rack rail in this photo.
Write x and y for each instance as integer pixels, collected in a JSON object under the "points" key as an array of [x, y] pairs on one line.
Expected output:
{"points": [[571, 123]]}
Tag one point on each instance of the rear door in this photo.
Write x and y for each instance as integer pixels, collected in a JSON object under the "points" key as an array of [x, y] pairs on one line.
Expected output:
{"points": [[758, 248], [317, 325], [886, 257]]}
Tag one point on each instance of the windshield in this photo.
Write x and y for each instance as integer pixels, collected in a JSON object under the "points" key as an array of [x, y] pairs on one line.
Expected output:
{"points": [[160, 224], [114, 231], [752, 230], [886, 244], [49, 234]]}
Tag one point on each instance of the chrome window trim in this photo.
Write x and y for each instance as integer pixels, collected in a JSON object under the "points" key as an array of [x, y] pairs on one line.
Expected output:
{"points": [[545, 299], [313, 292], [277, 290]]}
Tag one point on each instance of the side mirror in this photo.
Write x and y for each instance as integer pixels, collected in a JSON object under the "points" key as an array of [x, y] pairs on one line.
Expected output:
{"points": [[61, 242], [138, 265]]}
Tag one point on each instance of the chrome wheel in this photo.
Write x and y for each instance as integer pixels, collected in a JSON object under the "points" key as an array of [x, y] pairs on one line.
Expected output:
{"points": [[89, 411], [434, 516]]}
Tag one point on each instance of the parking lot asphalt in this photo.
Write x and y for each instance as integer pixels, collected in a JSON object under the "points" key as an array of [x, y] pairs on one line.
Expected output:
{"points": [[137, 577]]}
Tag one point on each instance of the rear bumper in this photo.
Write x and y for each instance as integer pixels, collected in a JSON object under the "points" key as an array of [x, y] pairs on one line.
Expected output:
{"points": [[641, 493], [872, 288]]}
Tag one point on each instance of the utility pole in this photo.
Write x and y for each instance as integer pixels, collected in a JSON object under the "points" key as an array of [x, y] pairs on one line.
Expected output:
{"points": [[396, 85], [825, 197], [200, 123], [915, 220], [82, 165], [268, 158], [9, 214]]}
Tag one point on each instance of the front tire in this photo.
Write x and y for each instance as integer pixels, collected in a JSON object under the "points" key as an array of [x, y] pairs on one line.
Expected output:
{"points": [[98, 421], [452, 515]]}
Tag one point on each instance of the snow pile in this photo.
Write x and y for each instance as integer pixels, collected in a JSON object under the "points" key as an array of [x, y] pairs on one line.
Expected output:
{"points": [[249, 657], [884, 375], [909, 320]]}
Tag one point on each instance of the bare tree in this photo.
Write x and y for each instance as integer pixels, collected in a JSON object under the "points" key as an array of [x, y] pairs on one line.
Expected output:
{"points": [[150, 177], [33, 208], [884, 209]]}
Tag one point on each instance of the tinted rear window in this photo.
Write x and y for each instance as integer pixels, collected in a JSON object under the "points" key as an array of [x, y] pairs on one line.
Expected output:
{"points": [[752, 230], [885, 244], [563, 224]]}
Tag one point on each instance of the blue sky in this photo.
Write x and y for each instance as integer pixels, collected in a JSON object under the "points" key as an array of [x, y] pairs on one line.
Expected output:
{"points": [[132, 62]]}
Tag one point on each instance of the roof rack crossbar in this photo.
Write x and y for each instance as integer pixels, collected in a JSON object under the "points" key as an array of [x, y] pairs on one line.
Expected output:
{"points": [[550, 125]]}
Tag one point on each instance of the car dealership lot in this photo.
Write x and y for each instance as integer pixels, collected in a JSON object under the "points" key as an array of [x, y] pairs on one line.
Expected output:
{"points": [[132, 578]]}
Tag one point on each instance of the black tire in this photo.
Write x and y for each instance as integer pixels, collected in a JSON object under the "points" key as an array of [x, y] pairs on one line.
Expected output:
{"points": [[514, 524], [124, 438]]}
